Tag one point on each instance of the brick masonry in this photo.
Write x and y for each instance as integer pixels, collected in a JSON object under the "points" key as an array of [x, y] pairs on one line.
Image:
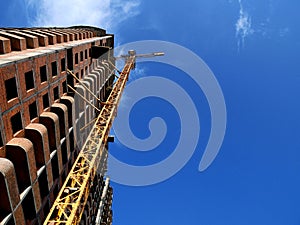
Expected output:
{"points": [[41, 118]]}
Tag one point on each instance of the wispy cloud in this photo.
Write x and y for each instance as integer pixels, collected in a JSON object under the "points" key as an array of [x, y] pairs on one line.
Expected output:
{"points": [[283, 32], [108, 14], [243, 26], [139, 72]]}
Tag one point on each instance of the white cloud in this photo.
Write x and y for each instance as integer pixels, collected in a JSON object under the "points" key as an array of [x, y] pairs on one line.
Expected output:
{"points": [[243, 26], [137, 73], [107, 14], [284, 31]]}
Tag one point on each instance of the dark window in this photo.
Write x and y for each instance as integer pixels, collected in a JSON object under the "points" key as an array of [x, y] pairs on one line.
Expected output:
{"points": [[46, 208], [54, 68], [81, 73], [64, 86], [43, 73], [70, 80], [43, 184], [76, 58], [77, 75], [45, 101], [86, 54], [32, 110], [28, 207], [29, 80], [81, 56], [71, 135], [86, 70], [63, 64], [90, 51], [56, 93], [11, 89], [54, 163], [70, 59], [64, 152], [55, 191], [16, 122]]}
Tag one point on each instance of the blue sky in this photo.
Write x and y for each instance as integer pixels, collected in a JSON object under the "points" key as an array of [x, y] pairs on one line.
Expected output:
{"points": [[252, 47]]}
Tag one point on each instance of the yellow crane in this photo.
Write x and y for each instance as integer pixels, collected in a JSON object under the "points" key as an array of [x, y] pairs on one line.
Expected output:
{"points": [[72, 198]]}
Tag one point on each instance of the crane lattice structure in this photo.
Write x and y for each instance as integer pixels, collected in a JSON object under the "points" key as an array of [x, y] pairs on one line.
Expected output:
{"points": [[72, 198]]}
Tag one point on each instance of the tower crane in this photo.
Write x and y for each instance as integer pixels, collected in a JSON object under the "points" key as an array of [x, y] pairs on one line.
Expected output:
{"points": [[69, 205]]}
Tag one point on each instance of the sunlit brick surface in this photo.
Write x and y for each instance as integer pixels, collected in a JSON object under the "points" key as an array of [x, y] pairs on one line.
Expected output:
{"points": [[38, 134]]}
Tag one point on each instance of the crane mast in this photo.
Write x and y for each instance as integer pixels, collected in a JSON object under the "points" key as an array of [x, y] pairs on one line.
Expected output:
{"points": [[73, 196]]}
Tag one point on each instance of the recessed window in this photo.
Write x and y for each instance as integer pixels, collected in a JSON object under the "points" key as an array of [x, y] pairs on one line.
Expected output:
{"points": [[81, 56], [86, 54], [81, 73], [29, 81], [64, 152], [77, 75], [63, 64], [54, 68], [56, 93], [43, 184], [43, 73], [28, 206], [76, 58], [32, 110], [54, 163], [70, 80], [64, 86], [46, 101], [16, 122], [11, 88], [70, 59]]}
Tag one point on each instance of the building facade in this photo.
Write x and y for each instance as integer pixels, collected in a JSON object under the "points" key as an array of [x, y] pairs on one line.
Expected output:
{"points": [[43, 121]]}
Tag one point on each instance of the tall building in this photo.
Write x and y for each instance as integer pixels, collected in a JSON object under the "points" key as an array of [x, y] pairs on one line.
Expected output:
{"points": [[44, 122]]}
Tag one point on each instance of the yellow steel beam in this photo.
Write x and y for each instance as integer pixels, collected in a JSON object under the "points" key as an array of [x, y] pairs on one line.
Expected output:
{"points": [[71, 200]]}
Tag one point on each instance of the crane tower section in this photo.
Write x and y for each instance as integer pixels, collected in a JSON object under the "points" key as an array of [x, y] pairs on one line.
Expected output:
{"points": [[78, 187]]}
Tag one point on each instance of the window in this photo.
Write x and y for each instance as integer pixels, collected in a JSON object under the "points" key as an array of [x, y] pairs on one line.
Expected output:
{"points": [[16, 122], [70, 80], [54, 68], [70, 59], [86, 54], [32, 110], [46, 101], [43, 184], [76, 58], [28, 206], [64, 152], [81, 74], [11, 89], [54, 163], [43, 73], [63, 64], [56, 93], [81, 56], [64, 86], [29, 81]]}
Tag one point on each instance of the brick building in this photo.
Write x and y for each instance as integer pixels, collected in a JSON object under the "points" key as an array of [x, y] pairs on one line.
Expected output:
{"points": [[42, 120]]}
